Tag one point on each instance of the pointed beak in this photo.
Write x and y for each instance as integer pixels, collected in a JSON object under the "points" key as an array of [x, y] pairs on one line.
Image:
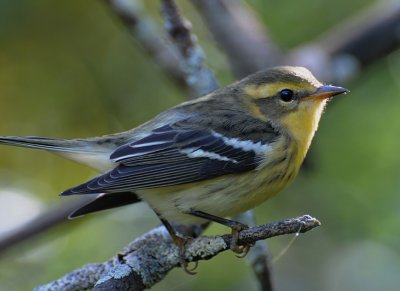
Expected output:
{"points": [[325, 92]]}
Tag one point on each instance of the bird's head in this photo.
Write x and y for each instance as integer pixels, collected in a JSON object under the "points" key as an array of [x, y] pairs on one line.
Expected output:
{"points": [[289, 97]]}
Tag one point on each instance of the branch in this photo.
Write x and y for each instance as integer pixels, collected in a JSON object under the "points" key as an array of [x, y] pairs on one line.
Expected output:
{"points": [[240, 34], [369, 36], [198, 77], [341, 53], [179, 56], [258, 255], [338, 55], [144, 30], [41, 223], [147, 260]]}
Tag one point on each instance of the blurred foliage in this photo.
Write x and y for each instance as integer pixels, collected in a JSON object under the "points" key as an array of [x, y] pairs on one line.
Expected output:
{"points": [[70, 69]]}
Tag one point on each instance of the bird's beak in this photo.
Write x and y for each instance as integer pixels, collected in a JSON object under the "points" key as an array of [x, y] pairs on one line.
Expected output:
{"points": [[325, 92]]}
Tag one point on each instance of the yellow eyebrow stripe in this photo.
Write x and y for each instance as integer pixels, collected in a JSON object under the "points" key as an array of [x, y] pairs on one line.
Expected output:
{"points": [[266, 90]]}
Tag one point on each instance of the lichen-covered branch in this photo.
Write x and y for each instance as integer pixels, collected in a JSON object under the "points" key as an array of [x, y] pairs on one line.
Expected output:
{"points": [[147, 260], [179, 55], [197, 75]]}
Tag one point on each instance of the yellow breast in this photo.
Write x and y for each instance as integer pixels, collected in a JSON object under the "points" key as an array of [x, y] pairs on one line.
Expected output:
{"points": [[302, 124]]}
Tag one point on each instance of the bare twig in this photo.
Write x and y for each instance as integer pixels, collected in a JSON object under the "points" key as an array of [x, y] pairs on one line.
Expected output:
{"points": [[198, 77], [145, 261], [237, 30]]}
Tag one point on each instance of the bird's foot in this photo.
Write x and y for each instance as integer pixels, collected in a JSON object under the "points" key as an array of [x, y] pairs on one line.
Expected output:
{"points": [[181, 242], [240, 250], [236, 226]]}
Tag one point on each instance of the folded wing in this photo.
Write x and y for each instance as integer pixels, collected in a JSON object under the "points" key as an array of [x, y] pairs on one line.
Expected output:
{"points": [[172, 156]]}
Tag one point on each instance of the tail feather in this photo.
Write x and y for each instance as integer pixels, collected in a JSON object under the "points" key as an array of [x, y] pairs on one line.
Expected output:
{"points": [[44, 143], [86, 152]]}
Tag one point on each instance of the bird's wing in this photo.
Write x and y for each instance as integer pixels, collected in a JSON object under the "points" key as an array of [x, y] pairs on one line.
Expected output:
{"points": [[106, 201], [173, 155]]}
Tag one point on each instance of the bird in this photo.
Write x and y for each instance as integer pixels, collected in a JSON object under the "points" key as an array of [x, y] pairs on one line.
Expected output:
{"points": [[206, 159]]}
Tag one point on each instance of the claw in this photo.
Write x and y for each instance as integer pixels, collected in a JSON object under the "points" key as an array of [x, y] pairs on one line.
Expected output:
{"points": [[240, 250], [190, 271], [244, 250], [236, 227], [181, 242]]}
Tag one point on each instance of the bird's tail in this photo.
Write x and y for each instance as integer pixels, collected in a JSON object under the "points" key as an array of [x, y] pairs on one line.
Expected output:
{"points": [[44, 143], [86, 152]]}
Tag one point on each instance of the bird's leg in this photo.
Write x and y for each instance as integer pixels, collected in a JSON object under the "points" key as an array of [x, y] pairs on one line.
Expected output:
{"points": [[181, 242], [236, 227]]}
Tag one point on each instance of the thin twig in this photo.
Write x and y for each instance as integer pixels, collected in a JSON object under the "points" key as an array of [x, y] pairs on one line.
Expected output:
{"points": [[146, 261]]}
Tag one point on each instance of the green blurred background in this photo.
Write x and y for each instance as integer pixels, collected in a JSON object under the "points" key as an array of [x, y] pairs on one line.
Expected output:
{"points": [[70, 69]]}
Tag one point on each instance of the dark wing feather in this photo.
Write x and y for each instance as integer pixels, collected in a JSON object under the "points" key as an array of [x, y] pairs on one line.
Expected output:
{"points": [[170, 156], [106, 201]]}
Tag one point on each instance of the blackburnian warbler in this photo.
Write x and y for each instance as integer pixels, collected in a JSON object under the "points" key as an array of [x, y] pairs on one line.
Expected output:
{"points": [[206, 159]]}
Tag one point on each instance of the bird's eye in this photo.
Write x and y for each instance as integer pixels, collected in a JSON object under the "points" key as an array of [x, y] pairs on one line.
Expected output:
{"points": [[286, 95]]}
